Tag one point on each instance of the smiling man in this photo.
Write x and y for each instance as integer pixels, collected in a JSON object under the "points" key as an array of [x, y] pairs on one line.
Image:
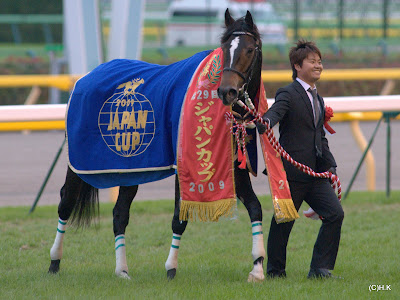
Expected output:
{"points": [[300, 112]]}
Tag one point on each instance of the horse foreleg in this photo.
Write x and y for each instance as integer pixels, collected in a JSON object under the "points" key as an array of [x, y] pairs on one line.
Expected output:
{"points": [[257, 252], [178, 227], [120, 221], [69, 194], [248, 197]]}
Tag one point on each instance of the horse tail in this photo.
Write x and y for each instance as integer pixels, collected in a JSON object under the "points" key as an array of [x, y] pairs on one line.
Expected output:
{"points": [[86, 207]]}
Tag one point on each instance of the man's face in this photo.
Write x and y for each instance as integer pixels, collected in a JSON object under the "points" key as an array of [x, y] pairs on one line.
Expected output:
{"points": [[311, 69]]}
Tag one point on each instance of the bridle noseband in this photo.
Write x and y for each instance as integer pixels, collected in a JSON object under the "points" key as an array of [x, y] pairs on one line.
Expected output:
{"points": [[249, 71]]}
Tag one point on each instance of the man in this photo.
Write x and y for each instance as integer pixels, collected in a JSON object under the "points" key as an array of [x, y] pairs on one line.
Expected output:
{"points": [[301, 118]]}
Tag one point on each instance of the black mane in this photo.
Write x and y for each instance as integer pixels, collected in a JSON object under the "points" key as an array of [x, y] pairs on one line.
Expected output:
{"points": [[240, 25]]}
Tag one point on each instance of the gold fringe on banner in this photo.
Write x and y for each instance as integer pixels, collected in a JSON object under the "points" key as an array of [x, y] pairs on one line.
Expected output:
{"points": [[206, 211], [284, 210]]}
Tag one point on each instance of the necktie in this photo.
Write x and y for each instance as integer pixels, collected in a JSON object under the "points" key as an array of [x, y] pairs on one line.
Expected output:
{"points": [[315, 104], [316, 119]]}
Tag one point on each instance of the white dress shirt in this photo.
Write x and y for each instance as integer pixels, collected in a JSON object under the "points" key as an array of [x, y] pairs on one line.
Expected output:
{"points": [[306, 86]]}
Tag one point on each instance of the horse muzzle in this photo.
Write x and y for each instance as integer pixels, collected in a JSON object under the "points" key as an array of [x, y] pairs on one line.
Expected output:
{"points": [[228, 95]]}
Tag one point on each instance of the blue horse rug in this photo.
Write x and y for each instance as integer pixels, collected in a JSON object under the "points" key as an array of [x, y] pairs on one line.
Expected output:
{"points": [[123, 119]]}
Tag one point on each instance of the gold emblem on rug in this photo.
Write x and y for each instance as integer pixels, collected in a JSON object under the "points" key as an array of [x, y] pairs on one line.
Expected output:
{"points": [[126, 120]]}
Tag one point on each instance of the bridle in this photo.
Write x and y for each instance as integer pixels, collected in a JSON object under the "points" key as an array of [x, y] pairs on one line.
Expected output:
{"points": [[250, 69]]}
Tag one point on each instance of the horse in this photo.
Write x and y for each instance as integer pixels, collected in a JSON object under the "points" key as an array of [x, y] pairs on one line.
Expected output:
{"points": [[79, 204]]}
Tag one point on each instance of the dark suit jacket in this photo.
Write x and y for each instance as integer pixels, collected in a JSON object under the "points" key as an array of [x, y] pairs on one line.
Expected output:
{"points": [[305, 142]]}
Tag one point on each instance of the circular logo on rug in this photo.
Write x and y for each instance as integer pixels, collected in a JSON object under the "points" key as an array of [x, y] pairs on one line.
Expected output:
{"points": [[126, 120]]}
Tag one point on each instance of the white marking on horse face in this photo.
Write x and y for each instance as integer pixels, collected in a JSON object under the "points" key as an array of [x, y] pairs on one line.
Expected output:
{"points": [[234, 45]]}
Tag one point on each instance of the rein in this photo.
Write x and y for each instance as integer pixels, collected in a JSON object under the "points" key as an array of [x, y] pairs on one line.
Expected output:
{"points": [[253, 62], [249, 107]]}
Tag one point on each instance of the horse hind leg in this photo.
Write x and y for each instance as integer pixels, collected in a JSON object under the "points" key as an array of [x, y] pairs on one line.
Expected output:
{"points": [[69, 194], [120, 221], [78, 199], [178, 227], [121, 265], [57, 248]]}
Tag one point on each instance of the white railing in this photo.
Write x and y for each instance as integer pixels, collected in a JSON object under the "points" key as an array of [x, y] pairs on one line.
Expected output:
{"points": [[56, 112]]}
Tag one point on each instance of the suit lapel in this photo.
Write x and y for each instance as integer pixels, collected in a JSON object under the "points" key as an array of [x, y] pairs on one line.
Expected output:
{"points": [[299, 88]]}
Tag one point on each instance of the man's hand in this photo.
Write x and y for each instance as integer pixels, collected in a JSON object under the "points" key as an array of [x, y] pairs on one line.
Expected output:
{"points": [[332, 170], [261, 127]]}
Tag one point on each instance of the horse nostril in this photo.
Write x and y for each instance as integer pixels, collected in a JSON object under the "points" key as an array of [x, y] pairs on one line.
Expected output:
{"points": [[227, 95], [233, 93]]}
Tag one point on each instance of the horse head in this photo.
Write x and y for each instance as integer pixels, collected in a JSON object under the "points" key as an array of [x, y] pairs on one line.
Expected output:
{"points": [[241, 45]]}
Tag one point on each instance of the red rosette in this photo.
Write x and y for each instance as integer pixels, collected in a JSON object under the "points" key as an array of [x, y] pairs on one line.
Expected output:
{"points": [[328, 116]]}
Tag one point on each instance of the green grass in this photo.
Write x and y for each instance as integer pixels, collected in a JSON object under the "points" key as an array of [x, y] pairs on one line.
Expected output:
{"points": [[23, 50], [214, 258]]}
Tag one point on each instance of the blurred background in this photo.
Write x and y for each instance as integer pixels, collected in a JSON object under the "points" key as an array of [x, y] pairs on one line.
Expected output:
{"points": [[71, 37], [350, 33]]}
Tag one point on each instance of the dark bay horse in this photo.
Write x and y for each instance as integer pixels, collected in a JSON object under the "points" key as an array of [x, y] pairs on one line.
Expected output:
{"points": [[241, 45]]}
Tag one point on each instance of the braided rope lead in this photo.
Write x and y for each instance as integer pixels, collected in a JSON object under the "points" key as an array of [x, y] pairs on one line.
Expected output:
{"points": [[241, 142], [334, 179]]}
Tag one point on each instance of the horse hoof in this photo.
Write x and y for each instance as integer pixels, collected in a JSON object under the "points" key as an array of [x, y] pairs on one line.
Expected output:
{"points": [[54, 266], [171, 274], [255, 278], [124, 274]]}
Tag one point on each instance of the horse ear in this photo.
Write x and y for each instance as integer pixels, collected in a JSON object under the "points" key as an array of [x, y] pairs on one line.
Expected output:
{"points": [[249, 19], [228, 18]]}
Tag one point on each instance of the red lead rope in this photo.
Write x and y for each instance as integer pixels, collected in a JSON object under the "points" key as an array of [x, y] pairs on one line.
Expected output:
{"points": [[241, 141], [334, 179]]}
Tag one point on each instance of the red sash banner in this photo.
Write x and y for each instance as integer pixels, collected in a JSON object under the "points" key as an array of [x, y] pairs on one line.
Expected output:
{"points": [[284, 209], [205, 147]]}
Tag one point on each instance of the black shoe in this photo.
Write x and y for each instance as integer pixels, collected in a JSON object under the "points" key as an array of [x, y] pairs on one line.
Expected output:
{"points": [[276, 274], [320, 273]]}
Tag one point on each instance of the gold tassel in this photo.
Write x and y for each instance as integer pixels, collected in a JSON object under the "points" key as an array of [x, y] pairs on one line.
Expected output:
{"points": [[284, 210], [206, 211]]}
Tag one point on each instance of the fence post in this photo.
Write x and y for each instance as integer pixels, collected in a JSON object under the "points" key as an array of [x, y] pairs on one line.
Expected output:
{"points": [[388, 116], [296, 20], [341, 18], [385, 18], [125, 40], [387, 120], [82, 35]]}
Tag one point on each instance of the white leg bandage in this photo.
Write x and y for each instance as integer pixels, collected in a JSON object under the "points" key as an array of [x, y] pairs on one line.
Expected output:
{"points": [[257, 274], [57, 248], [120, 256], [172, 260], [258, 240]]}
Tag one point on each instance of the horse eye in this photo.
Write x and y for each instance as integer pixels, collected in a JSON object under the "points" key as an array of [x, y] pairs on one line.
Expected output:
{"points": [[250, 50]]}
